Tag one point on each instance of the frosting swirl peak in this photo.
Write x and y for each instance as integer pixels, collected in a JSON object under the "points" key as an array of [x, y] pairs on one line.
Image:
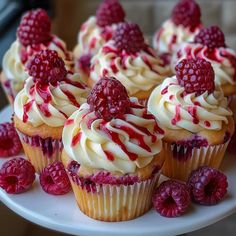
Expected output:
{"points": [[189, 112], [122, 144]]}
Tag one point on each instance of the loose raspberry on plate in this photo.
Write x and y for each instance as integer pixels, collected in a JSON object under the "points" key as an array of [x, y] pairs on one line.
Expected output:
{"points": [[129, 37], [10, 144], [207, 185], [211, 37], [187, 13], [54, 179], [108, 98], [171, 198], [47, 67], [110, 12], [16, 175], [34, 28], [195, 75]]}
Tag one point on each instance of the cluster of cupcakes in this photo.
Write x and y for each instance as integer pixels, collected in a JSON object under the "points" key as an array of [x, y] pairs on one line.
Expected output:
{"points": [[109, 118]]}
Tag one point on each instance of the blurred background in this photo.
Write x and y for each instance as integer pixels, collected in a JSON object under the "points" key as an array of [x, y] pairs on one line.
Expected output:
{"points": [[67, 16]]}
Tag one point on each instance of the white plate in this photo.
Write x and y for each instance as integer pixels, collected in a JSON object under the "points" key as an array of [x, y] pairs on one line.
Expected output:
{"points": [[62, 214]]}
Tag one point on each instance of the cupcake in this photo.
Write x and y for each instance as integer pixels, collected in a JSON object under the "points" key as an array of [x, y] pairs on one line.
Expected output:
{"points": [[195, 116], [33, 35], [130, 60], [112, 154], [50, 95], [183, 25], [95, 32], [209, 44]]}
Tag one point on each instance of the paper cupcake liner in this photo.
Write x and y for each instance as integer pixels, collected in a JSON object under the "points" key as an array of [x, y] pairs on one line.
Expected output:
{"points": [[41, 152], [179, 168], [116, 202]]}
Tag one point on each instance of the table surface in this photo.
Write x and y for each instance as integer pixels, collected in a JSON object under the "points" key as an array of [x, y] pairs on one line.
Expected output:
{"points": [[62, 214]]}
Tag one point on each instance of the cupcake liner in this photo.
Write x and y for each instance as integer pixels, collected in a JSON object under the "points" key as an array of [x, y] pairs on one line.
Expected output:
{"points": [[177, 167], [116, 202], [41, 152]]}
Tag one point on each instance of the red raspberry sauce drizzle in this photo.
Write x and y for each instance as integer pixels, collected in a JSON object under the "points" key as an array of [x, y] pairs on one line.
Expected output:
{"points": [[76, 139], [109, 156], [26, 108], [177, 117], [69, 122], [115, 138], [192, 110]]}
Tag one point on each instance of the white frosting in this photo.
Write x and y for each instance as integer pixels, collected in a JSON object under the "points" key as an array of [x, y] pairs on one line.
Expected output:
{"points": [[170, 36], [168, 97], [14, 68], [223, 68], [139, 72], [90, 150], [58, 107], [90, 38]]}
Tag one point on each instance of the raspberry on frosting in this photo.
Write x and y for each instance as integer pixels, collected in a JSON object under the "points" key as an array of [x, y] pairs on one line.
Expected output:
{"points": [[195, 75], [211, 37], [187, 13], [207, 185], [16, 175], [47, 67], [34, 28], [110, 12], [129, 37], [108, 98]]}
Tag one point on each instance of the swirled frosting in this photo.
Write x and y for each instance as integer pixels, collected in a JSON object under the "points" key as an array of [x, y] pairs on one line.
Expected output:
{"points": [[91, 37], [223, 60], [122, 144], [137, 72], [49, 104], [174, 110], [170, 36], [17, 56]]}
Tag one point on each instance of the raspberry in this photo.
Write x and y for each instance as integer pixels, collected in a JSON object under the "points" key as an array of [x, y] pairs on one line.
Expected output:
{"points": [[207, 185], [171, 198], [84, 62], [108, 98], [109, 12], [195, 75], [16, 175], [187, 13], [211, 37], [34, 28], [129, 37], [54, 179], [47, 67], [10, 144]]}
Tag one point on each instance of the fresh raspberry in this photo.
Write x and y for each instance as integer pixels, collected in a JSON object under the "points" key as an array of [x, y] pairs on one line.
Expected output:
{"points": [[47, 67], [108, 98], [211, 37], [16, 175], [84, 62], [129, 37], [171, 198], [187, 13], [10, 144], [34, 28], [109, 12], [54, 179], [195, 75], [207, 185]]}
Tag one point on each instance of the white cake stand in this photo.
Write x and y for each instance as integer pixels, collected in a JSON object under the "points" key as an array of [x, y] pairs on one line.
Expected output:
{"points": [[61, 213]]}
